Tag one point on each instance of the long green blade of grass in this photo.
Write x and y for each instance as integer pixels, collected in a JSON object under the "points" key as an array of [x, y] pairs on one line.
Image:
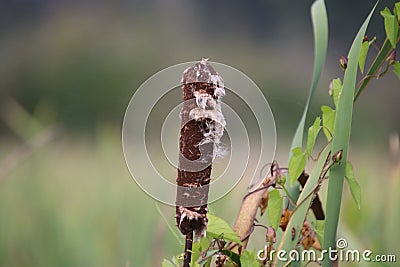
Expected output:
{"points": [[341, 137], [320, 26]]}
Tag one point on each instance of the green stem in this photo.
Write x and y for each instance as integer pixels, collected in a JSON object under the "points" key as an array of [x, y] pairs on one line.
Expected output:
{"points": [[380, 59], [288, 195]]}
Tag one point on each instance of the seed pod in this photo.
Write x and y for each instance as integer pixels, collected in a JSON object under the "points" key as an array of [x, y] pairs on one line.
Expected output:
{"points": [[202, 126]]}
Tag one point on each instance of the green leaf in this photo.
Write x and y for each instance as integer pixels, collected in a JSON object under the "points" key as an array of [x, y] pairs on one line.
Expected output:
{"points": [[396, 10], [233, 256], [312, 135], [344, 113], [391, 26], [217, 227], [275, 202], [328, 121], [204, 243], [297, 164], [336, 90], [396, 69], [248, 259], [363, 53], [320, 27], [207, 263], [196, 250], [167, 263], [319, 230], [353, 184], [376, 65]]}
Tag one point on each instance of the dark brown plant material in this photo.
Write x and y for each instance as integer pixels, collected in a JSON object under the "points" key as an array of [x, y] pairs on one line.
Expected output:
{"points": [[202, 126]]}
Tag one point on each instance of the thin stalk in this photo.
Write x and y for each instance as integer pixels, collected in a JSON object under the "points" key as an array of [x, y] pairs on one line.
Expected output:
{"points": [[380, 59], [188, 249]]}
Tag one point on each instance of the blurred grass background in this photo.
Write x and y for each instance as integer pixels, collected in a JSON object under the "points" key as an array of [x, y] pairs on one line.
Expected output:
{"points": [[67, 72]]}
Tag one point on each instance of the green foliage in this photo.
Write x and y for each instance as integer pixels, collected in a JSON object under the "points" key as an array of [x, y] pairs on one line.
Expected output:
{"points": [[218, 228], [248, 259], [336, 124], [302, 206], [312, 135], [341, 139], [335, 90], [396, 69], [391, 26], [320, 27], [397, 10], [232, 256], [207, 263], [196, 251], [380, 59], [319, 230], [328, 121], [363, 53], [275, 202], [297, 164], [353, 184]]}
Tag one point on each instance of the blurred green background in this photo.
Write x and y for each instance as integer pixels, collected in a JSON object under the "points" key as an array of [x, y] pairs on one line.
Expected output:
{"points": [[67, 72]]}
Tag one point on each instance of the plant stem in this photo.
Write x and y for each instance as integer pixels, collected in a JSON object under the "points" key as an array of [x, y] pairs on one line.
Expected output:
{"points": [[188, 249], [291, 199], [376, 65]]}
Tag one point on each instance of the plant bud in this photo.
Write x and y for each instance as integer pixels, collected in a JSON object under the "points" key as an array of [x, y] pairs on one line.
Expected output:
{"points": [[271, 235], [281, 179], [330, 88], [337, 157], [343, 63]]}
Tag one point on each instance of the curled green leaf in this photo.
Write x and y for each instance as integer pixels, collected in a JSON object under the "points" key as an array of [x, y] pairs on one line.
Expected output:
{"points": [[391, 26], [328, 121], [363, 53], [312, 135], [297, 164], [397, 10]]}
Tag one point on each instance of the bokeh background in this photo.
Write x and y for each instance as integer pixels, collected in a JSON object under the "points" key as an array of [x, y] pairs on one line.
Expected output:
{"points": [[67, 72]]}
